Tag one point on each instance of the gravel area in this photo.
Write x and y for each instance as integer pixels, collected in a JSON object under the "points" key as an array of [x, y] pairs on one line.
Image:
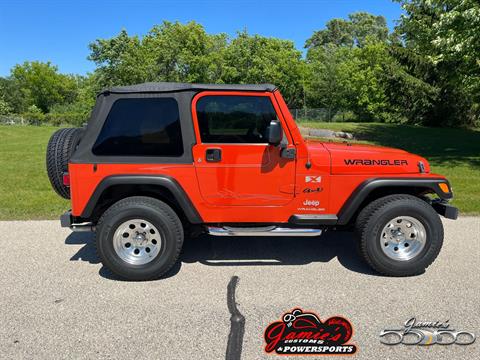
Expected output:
{"points": [[58, 302]]}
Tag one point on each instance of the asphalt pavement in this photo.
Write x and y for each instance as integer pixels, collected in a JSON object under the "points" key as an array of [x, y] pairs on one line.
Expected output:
{"points": [[58, 302]]}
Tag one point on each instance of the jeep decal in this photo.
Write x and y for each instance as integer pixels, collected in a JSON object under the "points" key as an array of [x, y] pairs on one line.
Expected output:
{"points": [[311, 203], [370, 162]]}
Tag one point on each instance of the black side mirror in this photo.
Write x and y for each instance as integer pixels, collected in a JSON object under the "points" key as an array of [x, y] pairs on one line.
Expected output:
{"points": [[274, 133]]}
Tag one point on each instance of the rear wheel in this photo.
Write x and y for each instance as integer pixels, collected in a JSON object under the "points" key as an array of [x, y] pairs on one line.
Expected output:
{"points": [[139, 238], [400, 235], [60, 148]]}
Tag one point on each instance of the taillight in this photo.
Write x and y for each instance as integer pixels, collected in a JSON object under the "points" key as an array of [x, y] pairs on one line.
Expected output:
{"points": [[66, 179]]}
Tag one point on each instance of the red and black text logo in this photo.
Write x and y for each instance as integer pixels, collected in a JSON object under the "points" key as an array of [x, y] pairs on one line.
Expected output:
{"points": [[303, 333]]}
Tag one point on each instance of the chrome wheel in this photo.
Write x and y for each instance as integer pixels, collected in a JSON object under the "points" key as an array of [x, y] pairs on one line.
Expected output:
{"points": [[137, 241], [403, 238]]}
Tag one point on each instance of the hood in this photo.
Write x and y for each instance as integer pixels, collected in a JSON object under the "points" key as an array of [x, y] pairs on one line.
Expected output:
{"points": [[368, 159]]}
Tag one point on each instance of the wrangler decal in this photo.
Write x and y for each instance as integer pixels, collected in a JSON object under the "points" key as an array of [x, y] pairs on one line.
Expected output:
{"points": [[371, 162]]}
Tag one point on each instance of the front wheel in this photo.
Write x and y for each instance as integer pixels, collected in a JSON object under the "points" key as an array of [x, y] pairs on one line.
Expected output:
{"points": [[139, 238], [400, 235]]}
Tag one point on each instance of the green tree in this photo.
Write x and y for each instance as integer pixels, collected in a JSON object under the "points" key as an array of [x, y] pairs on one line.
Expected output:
{"points": [[446, 35], [380, 88], [120, 60], [77, 112], [169, 52], [356, 31], [368, 28], [406, 81], [337, 32], [5, 107], [184, 53], [11, 93], [345, 63], [259, 59], [325, 84], [42, 85], [362, 75]]}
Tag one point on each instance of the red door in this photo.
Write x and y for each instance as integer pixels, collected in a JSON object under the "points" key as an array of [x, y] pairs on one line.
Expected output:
{"points": [[234, 163]]}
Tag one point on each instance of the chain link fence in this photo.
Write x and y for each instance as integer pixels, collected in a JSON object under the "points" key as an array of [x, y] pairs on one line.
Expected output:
{"points": [[71, 119], [13, 120], [322, 115]]}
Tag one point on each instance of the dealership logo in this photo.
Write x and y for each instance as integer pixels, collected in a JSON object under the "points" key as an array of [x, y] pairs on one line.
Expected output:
{"points": [[426, 333], [303, 333]]}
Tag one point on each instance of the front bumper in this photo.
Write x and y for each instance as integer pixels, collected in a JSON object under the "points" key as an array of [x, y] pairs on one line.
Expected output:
{"points": [[446, 210], [68, 221]]}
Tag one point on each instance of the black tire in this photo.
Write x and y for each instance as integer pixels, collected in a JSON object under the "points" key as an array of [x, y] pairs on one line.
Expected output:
{"points": [[60, 148], [157, 213], [375, 216]]}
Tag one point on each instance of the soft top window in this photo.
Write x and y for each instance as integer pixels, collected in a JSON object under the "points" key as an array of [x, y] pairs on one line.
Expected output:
{"points": [[141, 127]]}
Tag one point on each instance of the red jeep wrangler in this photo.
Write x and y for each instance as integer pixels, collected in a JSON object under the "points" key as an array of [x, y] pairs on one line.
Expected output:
{"points": [[158, 159]]}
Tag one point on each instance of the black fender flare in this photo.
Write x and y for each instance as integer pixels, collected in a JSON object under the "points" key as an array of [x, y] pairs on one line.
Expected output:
{"points": [[159, 180], [364, 189]]}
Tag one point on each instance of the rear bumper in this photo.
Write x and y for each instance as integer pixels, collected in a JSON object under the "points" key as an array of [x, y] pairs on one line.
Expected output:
{"points": [[446, 210], [68, 221]]}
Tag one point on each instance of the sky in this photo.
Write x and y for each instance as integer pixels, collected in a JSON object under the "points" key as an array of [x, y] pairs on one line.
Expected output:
{"points": [[60, 31]]}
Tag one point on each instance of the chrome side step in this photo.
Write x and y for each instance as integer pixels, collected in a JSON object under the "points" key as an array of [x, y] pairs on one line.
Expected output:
{"points": [[262, 231]]}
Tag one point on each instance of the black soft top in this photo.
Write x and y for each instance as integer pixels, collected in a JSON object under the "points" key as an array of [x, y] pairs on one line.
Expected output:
{"points": [[161, 87]]}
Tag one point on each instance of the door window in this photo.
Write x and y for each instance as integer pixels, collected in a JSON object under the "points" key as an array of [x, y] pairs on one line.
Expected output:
{"points": [[234, 119]]}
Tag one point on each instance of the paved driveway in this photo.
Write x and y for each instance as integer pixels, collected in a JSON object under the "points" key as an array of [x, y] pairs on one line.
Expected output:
{"points": [[57, 301]]}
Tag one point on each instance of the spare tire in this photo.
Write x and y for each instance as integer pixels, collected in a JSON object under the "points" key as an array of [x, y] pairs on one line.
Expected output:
{"points": [[60, 148]]}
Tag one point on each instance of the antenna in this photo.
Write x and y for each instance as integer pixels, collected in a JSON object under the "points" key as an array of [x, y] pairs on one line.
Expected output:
{"points": [[308, 164]]}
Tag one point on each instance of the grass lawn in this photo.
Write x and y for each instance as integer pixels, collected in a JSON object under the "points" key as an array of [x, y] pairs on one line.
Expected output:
{"points": [[25, 192], [454, 153]]}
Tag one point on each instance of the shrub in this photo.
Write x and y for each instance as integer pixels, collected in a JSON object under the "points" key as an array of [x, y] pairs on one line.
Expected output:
{"points": [[68, 118], [5, 107], [34, 116]]}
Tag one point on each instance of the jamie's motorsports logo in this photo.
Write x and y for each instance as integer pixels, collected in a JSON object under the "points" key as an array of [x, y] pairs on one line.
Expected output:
{"points": [[426, 333], [303, 333]]}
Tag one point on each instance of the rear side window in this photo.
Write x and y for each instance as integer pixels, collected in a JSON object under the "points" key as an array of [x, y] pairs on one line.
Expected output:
{"points": [[234, 119], [141, 127]]}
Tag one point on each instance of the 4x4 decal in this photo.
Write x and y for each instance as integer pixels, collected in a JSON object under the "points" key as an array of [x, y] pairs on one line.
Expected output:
{"points": [[312, 190]]}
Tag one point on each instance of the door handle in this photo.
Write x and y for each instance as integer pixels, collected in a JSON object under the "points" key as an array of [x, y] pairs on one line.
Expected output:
{"points": [[213, 155]]}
